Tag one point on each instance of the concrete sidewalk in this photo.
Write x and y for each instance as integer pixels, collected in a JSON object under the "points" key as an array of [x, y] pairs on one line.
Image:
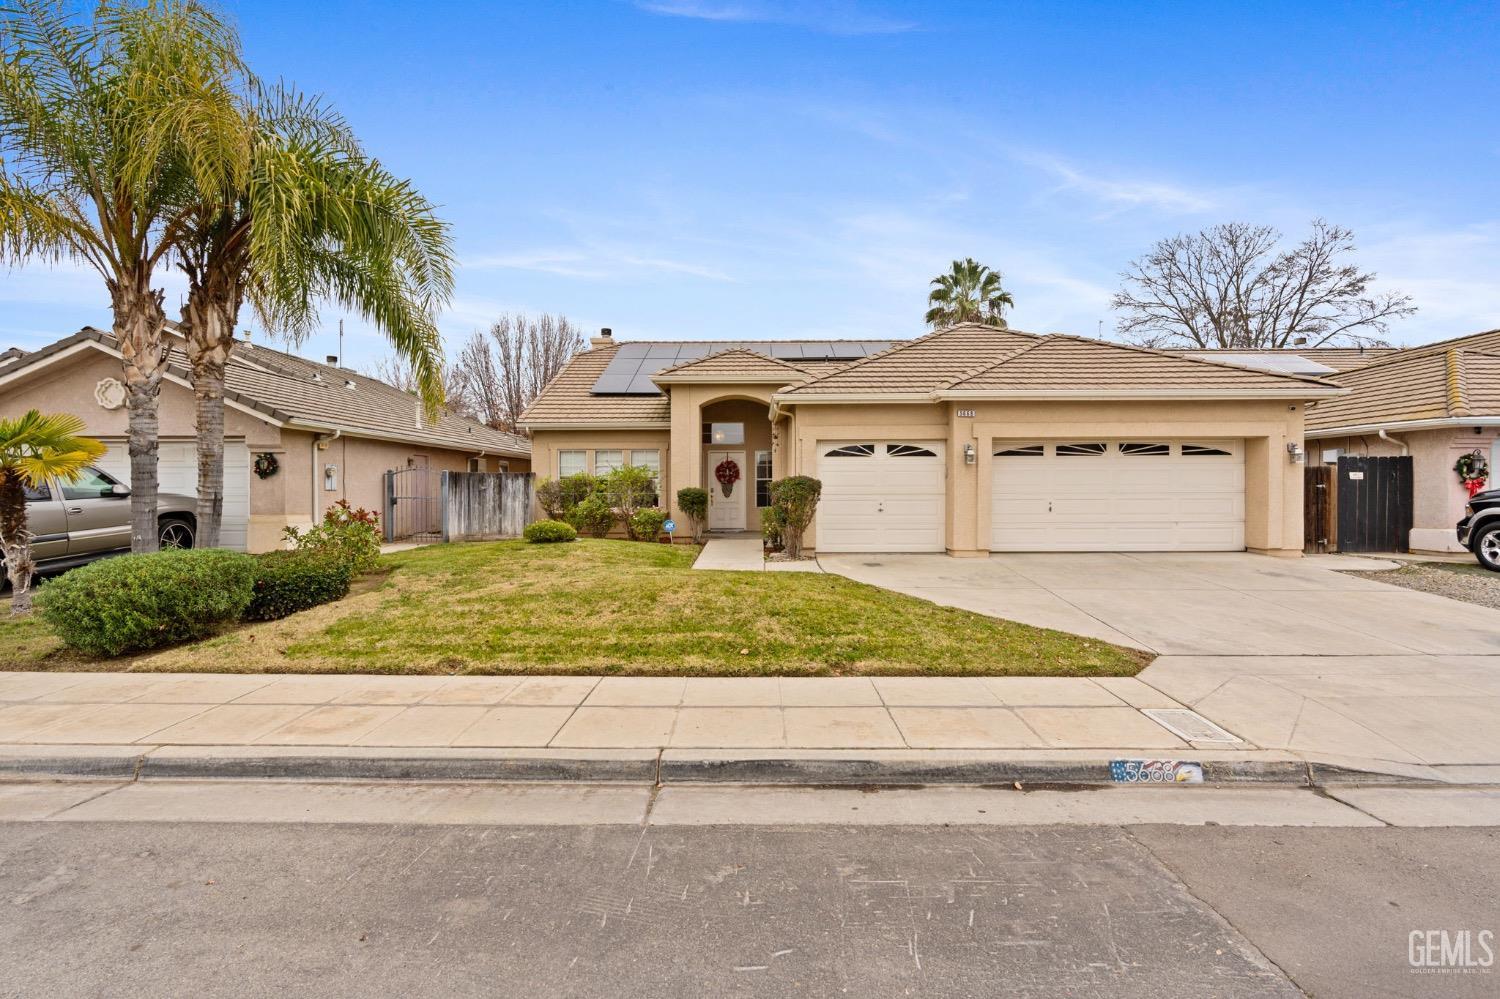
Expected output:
{"points": [[743, 553]]}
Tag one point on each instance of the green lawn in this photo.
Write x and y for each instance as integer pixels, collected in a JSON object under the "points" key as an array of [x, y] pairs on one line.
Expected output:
{"points": [[611, 607]]}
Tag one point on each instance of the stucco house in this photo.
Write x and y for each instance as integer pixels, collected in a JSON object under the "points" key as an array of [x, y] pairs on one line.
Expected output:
{"points": [[299, 435], [1435, 402], [967, 440]]}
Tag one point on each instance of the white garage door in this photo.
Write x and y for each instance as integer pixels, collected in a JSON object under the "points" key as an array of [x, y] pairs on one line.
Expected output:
{"points": [[881, 496], [177, 472], [1101, 496]]}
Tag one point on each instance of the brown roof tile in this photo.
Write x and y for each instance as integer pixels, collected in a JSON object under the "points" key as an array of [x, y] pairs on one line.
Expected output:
{"points": [[738, 363], [919, 365], [1414, 385], [569, 398]]}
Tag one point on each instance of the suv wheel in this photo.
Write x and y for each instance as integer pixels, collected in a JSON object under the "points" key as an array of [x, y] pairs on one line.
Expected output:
{"points": [[176, 532], [1487, 547]]}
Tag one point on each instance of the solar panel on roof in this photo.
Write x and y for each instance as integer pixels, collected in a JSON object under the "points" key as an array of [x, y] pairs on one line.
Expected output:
{"points": [[631, 369], [667, 350], [786, 350]]}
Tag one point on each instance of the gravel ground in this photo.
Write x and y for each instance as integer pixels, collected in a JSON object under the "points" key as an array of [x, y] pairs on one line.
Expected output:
{"points": [[1468, 583]]}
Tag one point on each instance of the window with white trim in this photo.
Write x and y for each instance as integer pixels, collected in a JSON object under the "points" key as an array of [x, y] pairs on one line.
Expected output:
{"points": [[1135, 449], [762, 478], [723, 433], [1021, 451], [852, 451], [909, 451], [475, 465], [1204, 450], [607, 461], [649, 458], [1075, 450], [572, 463]]}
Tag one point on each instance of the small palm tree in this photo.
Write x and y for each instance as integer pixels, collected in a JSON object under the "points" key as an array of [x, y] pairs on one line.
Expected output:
{"points": [[312, 218], [969, 293], [34, 448]]}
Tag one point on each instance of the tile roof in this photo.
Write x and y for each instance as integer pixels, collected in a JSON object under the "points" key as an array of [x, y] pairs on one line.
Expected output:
{"points": [[1338, 358], [1417, 384], [282, 387], [738, 363], [919, 365], [568, 398], [1057, 362]]}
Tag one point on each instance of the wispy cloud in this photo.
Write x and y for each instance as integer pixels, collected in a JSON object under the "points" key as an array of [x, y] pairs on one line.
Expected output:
{"points": [[834, 17], [1121, 192]]}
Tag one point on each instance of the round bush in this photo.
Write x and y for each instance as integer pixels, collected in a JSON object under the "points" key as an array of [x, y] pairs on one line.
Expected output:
{"points": [[290, 581], [646, 524], [593, 517], [547, 532], [136, 602]]}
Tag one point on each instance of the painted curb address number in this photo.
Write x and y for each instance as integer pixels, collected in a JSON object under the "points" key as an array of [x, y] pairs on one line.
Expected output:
{"points": [[1155, 772]]}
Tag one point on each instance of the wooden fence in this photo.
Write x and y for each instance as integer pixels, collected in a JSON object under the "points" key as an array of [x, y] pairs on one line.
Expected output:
{"points": [[1319, 503], [485, 505]]}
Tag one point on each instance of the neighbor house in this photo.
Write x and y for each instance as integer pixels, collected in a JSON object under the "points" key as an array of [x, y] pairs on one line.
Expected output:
{"points": [[1435, 402], [968, 440], [299, 435]]}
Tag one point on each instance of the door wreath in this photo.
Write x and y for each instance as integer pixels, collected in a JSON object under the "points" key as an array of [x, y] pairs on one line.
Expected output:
{"points": [[1473, 471], [266, 465], [728, 473]]}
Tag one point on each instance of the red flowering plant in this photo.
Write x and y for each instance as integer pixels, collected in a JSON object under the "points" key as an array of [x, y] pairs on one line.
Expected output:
{"points": [[351, 534], [728, 473]]}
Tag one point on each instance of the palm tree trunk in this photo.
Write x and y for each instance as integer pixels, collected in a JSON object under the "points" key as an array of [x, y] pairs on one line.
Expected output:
{"points": [[208, 324], [138, 321], [15, 542]]}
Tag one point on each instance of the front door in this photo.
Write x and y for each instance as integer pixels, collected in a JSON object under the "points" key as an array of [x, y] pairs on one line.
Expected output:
{"points": [[726, 503]]}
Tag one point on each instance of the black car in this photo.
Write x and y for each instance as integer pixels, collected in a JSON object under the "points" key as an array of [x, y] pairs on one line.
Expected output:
{"points": [[1479, 531]]}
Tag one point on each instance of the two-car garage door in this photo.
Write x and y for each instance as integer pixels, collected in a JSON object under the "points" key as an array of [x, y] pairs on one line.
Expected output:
{"points": [[177, 472], [1102, 496], [881, 496]]}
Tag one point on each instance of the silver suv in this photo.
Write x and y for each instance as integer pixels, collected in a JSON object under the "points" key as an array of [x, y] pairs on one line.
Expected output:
{"points": [[76, 522]]}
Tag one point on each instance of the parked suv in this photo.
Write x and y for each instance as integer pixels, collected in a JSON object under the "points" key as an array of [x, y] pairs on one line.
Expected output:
{"points": [[1480, 530], [76, 522]]}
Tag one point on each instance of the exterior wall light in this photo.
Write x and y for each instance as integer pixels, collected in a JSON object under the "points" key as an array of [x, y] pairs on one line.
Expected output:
{"points": [[970, 456], [1295, 454]]}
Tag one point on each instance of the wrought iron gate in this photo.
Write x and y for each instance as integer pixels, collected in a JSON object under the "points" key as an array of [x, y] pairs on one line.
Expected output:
{"points": [[413, 505]]}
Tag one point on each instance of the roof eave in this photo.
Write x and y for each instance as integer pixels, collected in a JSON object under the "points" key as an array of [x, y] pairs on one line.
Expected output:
{"points": [[785, 378], [795, 398], [343, 430], [1290, 392], [535, 425], [1435, 423]]}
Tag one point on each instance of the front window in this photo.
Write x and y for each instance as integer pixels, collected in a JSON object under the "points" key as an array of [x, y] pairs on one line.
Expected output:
{"points": [[571, 463], [607, 461], [723, 433], [92, 484], [652, 460], [763, 478], [474, 465]]}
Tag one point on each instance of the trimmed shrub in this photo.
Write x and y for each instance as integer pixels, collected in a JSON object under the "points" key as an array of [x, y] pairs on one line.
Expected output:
{"points": [[548, 532], [137, 602], [796, 497], [574, 489], [693, 502], [646, 524], [629, 490], [593, 517], [350, 533], [549, 496], [772, 525], [290, 581]]}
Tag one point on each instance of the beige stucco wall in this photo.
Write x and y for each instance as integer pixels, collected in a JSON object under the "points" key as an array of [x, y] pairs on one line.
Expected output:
{"points": [[692, 405], [1437, 497], [1273, 484]]}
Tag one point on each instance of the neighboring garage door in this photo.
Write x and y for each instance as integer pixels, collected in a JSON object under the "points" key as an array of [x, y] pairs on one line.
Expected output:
{"points": [[177, 472], [881, 496], [1100, 496]]}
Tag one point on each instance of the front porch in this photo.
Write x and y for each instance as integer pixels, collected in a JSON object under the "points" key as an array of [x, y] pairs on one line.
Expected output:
{"points": [[725, 445]]}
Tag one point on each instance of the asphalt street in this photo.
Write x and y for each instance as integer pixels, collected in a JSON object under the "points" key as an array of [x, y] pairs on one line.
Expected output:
{"points": [[203, 908]]}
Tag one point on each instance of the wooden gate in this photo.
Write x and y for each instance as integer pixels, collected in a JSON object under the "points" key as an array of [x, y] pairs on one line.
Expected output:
{"points": [[1374, 497], [483, 505], [1319, 525]]}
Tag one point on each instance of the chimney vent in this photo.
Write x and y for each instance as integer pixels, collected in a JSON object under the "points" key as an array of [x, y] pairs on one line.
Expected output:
{"points": [[604, 339], [331, 359]]}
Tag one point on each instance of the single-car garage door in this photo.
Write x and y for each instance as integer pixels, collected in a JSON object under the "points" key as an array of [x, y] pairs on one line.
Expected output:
{"points": [[881, 496], [177, 472], [1139, 495]]}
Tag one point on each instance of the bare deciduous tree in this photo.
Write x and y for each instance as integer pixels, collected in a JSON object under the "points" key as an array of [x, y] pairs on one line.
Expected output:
{"points": [[1232, 286], [499, 373], [397, 371]]}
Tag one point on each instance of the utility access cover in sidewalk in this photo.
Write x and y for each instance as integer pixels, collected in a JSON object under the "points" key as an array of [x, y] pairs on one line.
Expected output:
{"points": [[1189, 725]]}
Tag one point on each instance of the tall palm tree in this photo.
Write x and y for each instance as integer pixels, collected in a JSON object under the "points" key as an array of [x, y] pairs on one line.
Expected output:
{"points": [[313, 218], [969, 293], [103, 121], [33, 448]]}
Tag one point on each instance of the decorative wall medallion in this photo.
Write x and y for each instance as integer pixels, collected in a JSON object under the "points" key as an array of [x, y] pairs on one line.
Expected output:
{"points": [[109, 393]]}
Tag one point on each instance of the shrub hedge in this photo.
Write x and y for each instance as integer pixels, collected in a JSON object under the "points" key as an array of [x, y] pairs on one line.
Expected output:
{"points": [[546, 532], [290, 581], [135, 602]]}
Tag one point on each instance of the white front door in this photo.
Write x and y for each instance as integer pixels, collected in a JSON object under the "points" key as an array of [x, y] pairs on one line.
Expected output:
{"points": [[881, 496], [1082, 495], [726, 509]]}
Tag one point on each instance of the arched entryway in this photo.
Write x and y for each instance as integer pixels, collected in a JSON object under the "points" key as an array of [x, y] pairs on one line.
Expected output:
{"points": [[735, 462]]}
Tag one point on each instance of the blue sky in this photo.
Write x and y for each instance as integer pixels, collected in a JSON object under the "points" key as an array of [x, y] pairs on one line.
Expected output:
{"points": [[773, 168]]}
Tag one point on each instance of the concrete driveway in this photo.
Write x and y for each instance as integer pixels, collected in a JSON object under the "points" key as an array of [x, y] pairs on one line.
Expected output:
{"points": [[1286, 654]]}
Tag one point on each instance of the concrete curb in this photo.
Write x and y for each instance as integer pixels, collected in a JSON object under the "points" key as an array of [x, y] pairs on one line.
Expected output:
{"points": [[811, 767]]}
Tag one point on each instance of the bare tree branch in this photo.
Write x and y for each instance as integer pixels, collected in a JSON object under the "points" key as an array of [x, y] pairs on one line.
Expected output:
{"points": [[1232, 287], [499, 373]]}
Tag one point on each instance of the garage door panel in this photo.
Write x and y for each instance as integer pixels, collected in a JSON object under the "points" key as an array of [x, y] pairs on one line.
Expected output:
{"points": [[177, 472], [1118, 500], [881, 502]]}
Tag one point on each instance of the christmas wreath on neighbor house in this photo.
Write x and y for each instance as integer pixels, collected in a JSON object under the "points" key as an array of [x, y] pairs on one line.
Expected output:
{"points": [[266, 465], [1473, 471], [728, 473]]}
